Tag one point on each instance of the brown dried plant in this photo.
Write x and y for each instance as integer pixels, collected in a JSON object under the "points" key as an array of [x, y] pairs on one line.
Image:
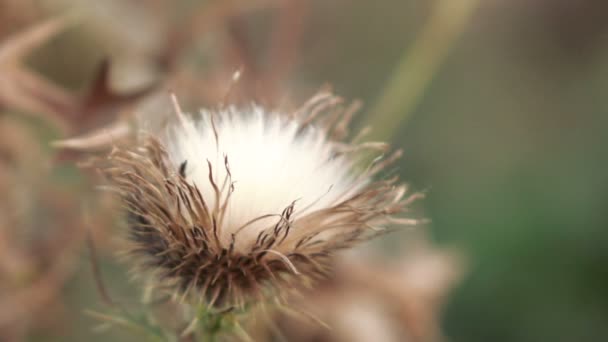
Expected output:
{"points": [[187, 230], [369, 298]]}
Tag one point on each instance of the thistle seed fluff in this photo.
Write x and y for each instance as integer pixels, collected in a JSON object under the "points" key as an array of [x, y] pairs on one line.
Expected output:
{"points": [[272, 162], [234, 205]]}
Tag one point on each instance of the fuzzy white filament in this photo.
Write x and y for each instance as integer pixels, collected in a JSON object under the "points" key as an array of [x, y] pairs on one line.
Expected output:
{"points": [[273, 162]]}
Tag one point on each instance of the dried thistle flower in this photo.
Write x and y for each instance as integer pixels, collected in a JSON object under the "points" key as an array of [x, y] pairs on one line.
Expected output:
{"points": [[236, 202]]}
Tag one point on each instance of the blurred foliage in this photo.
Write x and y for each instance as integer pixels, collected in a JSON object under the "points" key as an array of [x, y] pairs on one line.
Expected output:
{"points": [[509, 139]]}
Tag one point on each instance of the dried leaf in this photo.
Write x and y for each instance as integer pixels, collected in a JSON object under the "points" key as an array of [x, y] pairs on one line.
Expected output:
{"points": [[24, 89], [97, 139]]}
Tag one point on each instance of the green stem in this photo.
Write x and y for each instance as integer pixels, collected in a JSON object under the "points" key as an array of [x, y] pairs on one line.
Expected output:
{"points": [[213, 323], [418, 66]]}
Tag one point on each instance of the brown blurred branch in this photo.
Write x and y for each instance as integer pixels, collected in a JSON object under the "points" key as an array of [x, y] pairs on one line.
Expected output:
{"points": [[285, 43], [240, 55], [205, 18], [24, 89]]}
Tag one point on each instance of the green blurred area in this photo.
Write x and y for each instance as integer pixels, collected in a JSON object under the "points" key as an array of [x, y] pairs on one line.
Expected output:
{"points": [[509, 140]]}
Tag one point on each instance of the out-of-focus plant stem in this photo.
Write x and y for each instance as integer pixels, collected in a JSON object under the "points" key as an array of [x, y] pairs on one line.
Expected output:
{"points": [[418, 65]]}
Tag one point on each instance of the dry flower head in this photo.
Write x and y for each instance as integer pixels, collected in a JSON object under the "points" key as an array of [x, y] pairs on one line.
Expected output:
{"points": [[236, 203]]}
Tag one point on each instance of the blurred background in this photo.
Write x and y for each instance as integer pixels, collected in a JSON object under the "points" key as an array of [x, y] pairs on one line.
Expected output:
{"points": [[499, 106]]}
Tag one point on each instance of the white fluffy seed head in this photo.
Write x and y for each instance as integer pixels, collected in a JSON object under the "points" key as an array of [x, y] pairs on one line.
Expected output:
{"points": [[223, 205], [272, 162]]}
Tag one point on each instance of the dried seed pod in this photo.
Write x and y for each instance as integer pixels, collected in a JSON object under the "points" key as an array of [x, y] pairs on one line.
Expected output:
{"points": [[237, 204]]}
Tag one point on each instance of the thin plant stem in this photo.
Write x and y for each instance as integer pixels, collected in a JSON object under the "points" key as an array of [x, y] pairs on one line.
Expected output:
{"points": [[418, 65]]}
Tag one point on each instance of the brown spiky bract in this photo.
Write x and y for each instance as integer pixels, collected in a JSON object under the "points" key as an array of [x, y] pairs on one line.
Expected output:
{"points": [[175, 234]]}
